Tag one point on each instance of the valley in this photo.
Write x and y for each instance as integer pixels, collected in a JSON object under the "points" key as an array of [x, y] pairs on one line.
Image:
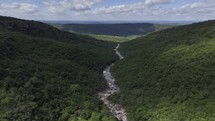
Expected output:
{"points": [[115, 32], [116, 109], [106, 72], [124, 29]]}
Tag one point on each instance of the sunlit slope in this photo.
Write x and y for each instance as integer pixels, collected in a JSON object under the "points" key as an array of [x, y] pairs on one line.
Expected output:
{"points": [[169, 75]]}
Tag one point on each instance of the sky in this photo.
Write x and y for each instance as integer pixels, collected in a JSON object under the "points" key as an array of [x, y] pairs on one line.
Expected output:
{"points": [[110, 10]]}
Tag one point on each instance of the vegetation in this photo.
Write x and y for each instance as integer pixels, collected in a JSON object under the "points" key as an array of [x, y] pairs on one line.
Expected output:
{"points": [[169, 75], [58, 26], [110, 38], [164, 26], [48, 74], [126, 29]]}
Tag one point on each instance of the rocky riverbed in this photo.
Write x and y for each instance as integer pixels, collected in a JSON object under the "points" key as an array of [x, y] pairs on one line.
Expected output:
{"points": [[116, 109]]}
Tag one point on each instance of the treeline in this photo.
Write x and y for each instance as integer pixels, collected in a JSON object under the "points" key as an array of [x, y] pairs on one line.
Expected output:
{"points": [[169, 75], [48, 74]]}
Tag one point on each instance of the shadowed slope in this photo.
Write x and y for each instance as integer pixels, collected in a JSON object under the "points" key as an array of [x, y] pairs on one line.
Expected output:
{"points": [[48, 74]]}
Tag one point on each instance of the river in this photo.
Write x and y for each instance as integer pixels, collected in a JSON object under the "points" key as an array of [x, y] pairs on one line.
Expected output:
{"points": [[116, 109]]}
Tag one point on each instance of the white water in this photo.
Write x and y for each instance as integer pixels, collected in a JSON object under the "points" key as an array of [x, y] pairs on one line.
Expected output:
{"points": [[116, 109]]}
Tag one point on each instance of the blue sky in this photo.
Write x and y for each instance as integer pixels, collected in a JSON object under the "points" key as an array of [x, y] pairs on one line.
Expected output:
{"points": [[128, 10]]}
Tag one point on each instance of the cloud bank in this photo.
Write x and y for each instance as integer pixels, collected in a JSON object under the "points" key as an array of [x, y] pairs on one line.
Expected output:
{"points": [[97, 10], [15, 7]]}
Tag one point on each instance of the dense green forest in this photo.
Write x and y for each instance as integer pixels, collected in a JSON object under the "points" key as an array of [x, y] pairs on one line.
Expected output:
{"points": [[169, 75], [125, 29], [48, 75]]}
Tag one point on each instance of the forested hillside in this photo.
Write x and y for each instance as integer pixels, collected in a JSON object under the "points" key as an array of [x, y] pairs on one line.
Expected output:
{"points": [[125, 29], [169, 75], [48, 74]]}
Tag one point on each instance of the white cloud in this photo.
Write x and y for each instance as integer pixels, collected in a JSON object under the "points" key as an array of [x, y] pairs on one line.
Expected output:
{"points": [[195, 9], [146, 6], [89, 10], [199, 5], [120, 9], [79, 5], [57, 6], [18, 7], [150, 10], [155, 2]]}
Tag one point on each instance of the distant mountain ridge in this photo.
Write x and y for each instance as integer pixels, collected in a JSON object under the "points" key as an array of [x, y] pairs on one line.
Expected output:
{"points": [[116, 22], [117, 29]]}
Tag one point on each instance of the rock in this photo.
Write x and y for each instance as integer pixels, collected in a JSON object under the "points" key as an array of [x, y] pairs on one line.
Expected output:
{"points": [[117, 110]]}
